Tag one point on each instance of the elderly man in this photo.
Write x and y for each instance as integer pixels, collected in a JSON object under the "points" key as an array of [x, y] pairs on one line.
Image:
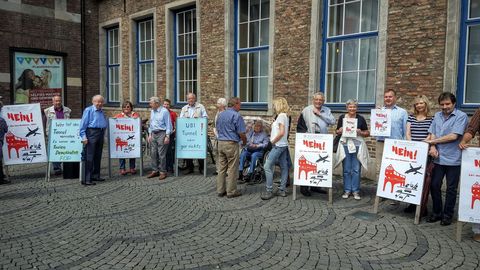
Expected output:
{"points": [[159, 138], [445, 135], [231, 129], [472, 128], [92, 131], [315, 119], [57, 111], [257, 141], [193, 110]]}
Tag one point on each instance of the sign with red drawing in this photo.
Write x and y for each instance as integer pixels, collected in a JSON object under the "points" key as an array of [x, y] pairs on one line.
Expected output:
{"points": [[25, 139], [313, 160], [469, 200], [124, 137], [350, 127], [402, 171], [380, 122]]}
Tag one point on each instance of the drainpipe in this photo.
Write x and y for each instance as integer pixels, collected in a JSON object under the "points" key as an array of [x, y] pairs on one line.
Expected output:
{"points": [[83, 56]]}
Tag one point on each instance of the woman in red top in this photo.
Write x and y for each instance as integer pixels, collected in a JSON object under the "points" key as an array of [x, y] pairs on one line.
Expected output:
{"points": [[127, 112]]}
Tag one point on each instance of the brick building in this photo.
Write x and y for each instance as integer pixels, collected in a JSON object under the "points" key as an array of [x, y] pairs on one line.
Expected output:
{"points": [[255, 49]]}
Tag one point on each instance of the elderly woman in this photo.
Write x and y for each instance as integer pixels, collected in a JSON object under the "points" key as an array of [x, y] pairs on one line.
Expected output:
{"points": [[127, 112], [279, 152], [257, 141], [352, 151]]}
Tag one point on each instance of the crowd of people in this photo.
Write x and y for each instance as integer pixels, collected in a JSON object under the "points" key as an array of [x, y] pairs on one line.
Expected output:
{"points": [[447, 132]]}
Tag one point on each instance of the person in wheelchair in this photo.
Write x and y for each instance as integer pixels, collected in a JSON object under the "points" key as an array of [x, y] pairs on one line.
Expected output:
{"points": [[257, 141]]}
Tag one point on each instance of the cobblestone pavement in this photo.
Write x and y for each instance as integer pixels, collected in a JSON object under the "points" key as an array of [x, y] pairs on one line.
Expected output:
{"points": [[136, 223]]}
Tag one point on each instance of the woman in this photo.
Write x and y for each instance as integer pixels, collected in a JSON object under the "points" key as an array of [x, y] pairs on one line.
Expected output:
{"points": [[127, 112], [417, 130], [352, 151], [279, 152]]}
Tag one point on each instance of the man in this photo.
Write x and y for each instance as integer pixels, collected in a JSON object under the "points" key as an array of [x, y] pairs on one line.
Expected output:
{"points": [[3, 131], [445, 134], [193, 110], [159, 137], [231, 129], [257, 141], [57, 111], [92, 130], [171, 146], [399, 118], [472, 128], [315, 118]]}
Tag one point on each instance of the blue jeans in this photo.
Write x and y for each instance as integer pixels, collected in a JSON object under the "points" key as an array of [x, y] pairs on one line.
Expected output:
{"points": [[351, 171], [253, 161], [131, 161], [277, 154], [57, 166]]}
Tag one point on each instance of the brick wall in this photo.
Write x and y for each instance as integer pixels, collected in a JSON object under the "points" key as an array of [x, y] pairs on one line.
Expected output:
{"points": [[416, 48]]}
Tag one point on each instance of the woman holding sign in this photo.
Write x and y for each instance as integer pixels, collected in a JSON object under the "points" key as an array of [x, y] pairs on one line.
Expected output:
{"points": [[127, 112], [352, 149]]}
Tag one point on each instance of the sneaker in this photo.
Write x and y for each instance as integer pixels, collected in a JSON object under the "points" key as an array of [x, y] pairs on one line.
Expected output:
{"points": [[133, 171], [476, 237], [282, 193], [123, 172], [346, 195], [356, 196], [267, 195]]}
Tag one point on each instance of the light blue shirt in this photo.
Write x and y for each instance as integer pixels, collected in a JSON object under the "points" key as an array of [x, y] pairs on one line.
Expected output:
{"points": [[399, 124], [260, 138], [449, 153], [92, 118], [326, 119], [160, 120], [229, 125]]}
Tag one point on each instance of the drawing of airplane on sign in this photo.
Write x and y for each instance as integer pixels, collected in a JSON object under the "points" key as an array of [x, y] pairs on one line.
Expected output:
{"points": [[32, 132], [393, 177], [414, 170], [120, 143], [131, 137], [322, 159]]}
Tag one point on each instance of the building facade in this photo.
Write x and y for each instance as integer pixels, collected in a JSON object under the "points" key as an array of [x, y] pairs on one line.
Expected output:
{"points": [[257, 50]]}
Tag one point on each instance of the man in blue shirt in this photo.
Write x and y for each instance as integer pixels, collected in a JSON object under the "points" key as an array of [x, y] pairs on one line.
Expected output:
{"points": [[92, 131], [231, 130], [399, 118], [445, 134], [159, 138], [257, 140]]}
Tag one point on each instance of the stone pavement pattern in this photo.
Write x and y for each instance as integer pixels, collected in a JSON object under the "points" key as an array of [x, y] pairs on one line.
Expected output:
{"points": [[137, 223]]}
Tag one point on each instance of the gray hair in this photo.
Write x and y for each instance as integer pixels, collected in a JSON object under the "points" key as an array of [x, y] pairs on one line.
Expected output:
{"points": [[351, 102], [222, 101], [259, 122], [319, 94], [97, 97], [155, 100]]}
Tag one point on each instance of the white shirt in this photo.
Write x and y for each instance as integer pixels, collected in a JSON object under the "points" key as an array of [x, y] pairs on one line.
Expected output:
{"points": [[281, 119]]}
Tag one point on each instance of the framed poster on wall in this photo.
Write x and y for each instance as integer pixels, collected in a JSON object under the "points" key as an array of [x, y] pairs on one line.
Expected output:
{"points": [[36, 76]]}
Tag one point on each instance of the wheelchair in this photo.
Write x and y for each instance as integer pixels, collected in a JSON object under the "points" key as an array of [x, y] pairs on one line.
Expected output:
{"points": [[258, 175]]}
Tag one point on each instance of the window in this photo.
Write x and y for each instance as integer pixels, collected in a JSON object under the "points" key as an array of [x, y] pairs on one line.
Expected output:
{"points": [[469, 66], [113, 66], [145, 60], [349, 50], [185, 54], [252, 50]]}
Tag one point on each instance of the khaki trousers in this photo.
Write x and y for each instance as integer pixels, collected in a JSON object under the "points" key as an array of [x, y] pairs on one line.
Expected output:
{"points": [[227, 164]]}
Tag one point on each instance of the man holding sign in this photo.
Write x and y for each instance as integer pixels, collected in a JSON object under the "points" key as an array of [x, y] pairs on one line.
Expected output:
{"points": [[445, 134], [57, 111], [472, 129]]}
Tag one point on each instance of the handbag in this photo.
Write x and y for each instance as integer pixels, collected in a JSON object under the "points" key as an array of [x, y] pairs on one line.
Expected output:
{"points": [[336, 140]]}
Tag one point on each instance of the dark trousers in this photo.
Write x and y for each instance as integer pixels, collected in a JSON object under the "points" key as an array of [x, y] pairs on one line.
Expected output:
{"points": [[171, 153], [452, 175], [92, 153], [2, 176], [190, 164]]}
